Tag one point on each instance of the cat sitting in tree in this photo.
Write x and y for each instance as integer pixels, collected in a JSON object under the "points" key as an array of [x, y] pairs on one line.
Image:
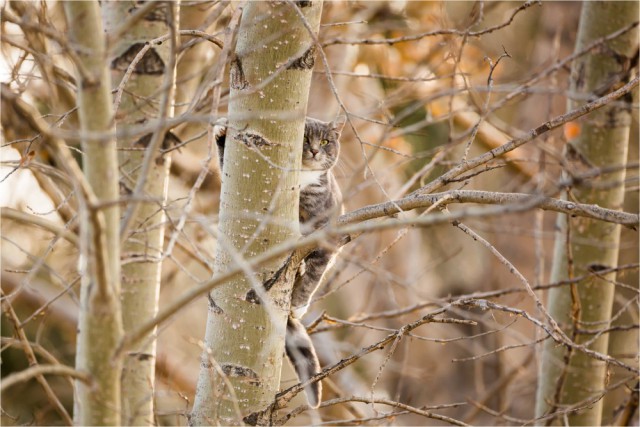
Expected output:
{"points": [[320, 198]]}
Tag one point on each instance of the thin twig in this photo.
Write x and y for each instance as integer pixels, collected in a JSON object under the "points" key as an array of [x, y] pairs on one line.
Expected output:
{"points": [[528, 137], [443, 32], [33, 370], [425, 411], [39, 371]]}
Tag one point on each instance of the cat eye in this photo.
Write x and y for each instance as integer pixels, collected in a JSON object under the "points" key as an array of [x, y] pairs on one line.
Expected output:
{"points": [[324, 142], [306, 140]]}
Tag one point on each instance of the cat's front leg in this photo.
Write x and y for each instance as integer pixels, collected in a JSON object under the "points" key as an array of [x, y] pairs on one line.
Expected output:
{"points": [[308, 279]]}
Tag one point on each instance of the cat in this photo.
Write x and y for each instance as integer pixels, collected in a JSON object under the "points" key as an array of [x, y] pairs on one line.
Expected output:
{"points": [[320, 199]]}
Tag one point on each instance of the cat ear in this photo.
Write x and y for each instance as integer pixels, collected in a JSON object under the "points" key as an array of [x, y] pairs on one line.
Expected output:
{"points": [[338, 123]]}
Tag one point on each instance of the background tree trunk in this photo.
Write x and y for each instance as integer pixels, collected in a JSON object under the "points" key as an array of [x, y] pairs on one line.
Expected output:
{"points": [[583, 245], [100, 322], [270, 79], [146, 96]]}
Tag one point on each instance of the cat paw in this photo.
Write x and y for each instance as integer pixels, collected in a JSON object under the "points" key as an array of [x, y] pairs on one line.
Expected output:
{"points": [[220, 134], [220, 128]]}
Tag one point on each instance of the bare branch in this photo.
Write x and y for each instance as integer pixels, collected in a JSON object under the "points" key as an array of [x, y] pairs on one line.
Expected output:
{"points": [[38, 371], [530, 136], [424, 411], [31, 219], [35, 369], [417, 200], [444, 32]]}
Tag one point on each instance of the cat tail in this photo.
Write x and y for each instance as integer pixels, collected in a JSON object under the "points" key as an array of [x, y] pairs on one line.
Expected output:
{"points": [[303, 357], [220, 135]]}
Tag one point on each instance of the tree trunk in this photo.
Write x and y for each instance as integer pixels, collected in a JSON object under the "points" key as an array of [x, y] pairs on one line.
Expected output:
{"points": [[583, 245], [147, 97], [100, 322], [270, 79]]}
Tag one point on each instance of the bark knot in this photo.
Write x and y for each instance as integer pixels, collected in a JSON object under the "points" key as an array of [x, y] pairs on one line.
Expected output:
{"points": [[237, 371], [158, 13], [253, 139], [238, 79], [215, 308], [306, 61], [150, 64]]}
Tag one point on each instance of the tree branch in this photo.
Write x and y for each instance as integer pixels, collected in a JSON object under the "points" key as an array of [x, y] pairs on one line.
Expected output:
{"points": [[33, 361], [30, 219], [416, 201], [39, 370], [552, 124]]}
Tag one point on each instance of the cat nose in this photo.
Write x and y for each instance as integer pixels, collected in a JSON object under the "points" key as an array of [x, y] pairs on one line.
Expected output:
{"points": [[314, 151]]}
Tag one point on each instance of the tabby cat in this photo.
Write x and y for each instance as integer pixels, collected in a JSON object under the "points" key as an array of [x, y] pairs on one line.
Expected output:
{"points": [[320, 198]]}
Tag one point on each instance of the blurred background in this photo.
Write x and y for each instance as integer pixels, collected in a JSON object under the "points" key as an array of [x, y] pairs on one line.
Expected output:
{"points": [[414, 106]]}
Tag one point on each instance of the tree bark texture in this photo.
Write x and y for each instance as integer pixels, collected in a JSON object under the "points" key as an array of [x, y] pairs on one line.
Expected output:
{"points": [[100, 322], [147, 97], [585, 245], [270, 79]]}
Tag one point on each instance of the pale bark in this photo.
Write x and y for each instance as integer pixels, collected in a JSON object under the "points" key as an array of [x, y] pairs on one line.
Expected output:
{"points": [[100, 322], [582, 244], [270, 78], [146, 96]]}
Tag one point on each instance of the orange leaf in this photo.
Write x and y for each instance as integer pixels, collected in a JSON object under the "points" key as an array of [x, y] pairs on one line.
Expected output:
{"points": [[572, 130]]}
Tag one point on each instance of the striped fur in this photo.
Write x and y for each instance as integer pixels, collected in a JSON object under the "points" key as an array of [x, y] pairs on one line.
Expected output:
{"points": [[302, 356]]}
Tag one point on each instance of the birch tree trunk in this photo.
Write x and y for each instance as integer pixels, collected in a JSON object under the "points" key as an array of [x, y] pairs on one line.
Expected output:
{"points": [[147, 97], [100, 322], [583, 245], [270, 79]]}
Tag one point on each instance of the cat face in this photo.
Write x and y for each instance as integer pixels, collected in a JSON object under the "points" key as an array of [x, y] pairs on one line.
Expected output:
{"points": [[321, 144]]}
